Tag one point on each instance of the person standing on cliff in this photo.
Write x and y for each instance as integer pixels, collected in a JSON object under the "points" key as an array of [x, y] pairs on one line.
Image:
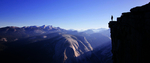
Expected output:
{"points": [[111, 17]]}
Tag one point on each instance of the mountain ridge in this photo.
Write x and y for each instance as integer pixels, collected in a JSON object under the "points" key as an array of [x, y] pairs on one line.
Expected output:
{"points": [[42, 44]]}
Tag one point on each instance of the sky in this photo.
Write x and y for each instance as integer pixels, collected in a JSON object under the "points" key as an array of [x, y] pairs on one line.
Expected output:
{"points": [[66, 14]]}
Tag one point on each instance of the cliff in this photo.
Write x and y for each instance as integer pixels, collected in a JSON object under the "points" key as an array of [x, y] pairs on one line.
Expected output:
{"points": [[130, 36]]}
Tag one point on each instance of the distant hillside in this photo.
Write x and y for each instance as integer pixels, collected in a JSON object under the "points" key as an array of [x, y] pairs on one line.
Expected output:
{"points": [[60, 47]]}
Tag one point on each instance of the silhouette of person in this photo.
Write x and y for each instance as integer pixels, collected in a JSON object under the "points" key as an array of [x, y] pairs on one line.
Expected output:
{"points": [[111, 17]]}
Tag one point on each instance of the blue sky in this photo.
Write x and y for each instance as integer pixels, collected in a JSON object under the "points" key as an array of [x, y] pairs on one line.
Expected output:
{"points": [[67, 14]]}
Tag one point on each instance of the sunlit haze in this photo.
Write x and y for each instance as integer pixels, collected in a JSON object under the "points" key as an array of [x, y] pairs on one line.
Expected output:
{"points": [[66, 14]]}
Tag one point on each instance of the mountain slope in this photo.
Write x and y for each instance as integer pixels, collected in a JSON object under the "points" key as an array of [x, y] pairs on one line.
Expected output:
{"points": [[58, 49]]}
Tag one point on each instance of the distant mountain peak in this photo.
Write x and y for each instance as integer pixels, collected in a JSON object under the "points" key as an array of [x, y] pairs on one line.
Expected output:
{"points": [[47, 26]]}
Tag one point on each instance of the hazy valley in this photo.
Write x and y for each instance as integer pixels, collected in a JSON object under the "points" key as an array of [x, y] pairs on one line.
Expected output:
{"points": [[45, 44]]}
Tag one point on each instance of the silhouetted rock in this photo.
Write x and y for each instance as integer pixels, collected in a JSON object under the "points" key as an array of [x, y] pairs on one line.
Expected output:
{"points": [[130, 36]]}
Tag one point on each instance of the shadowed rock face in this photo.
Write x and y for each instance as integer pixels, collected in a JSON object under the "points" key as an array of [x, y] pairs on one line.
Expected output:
{"points": [[130, 36], [70, 47]]}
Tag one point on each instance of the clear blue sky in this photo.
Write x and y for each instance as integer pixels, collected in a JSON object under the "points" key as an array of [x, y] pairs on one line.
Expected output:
{"points": [[67, 14]]}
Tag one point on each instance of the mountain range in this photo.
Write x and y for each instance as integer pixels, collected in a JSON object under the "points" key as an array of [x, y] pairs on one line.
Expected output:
{"points": [[43, 44]]}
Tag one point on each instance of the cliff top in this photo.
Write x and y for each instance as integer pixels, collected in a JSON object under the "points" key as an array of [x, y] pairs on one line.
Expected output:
{"points": [[143, 8]]}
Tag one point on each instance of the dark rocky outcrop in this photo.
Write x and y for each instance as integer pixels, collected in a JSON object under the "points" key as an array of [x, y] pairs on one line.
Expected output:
{"points": [[130, 36]]}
